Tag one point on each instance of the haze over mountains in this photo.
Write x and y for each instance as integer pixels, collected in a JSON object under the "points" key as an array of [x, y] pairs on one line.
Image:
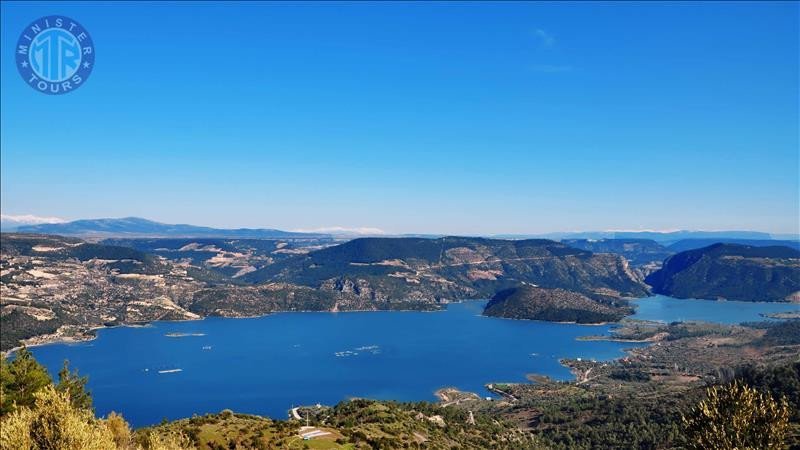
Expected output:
{"points": [[139, 227]]}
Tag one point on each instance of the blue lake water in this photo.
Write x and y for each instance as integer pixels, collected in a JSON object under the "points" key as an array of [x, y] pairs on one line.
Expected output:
{"points": [[668, 309], [267, 365]]}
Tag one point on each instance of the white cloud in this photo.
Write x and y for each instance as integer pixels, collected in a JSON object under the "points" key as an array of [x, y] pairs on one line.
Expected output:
{"points": [[29, 219], [357, 231], [547, 39]]}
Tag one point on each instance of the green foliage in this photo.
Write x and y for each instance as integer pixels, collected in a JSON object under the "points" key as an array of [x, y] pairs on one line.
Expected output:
{"points": [[737, 417], [630, 375], [54, 423], [731, 271], [574, 418], [555, 305], [168, 441], [216, 431], [17, 326], [783, 332], [381, 424], [781, 381], [20, 380], [74, 386]]}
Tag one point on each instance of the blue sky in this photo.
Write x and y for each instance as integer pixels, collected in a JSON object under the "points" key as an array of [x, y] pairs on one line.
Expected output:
{"points": [[470, 118]]}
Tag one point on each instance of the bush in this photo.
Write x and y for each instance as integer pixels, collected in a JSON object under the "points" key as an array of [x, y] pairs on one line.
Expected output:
{"points": [[739, 417], [54, 423], [119, 429]]}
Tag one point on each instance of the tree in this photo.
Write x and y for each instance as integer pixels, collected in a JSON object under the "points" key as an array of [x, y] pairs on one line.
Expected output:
{"points": [[737, 417], [53, 422], [20, 379], [75, 386]]}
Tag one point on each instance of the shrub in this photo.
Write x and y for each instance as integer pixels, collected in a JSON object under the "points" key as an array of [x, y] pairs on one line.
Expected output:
{"points": [[54, 423], [736, 416]]}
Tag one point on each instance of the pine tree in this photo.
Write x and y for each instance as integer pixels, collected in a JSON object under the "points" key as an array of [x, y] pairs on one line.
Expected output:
{"points": [[75, 386], [20, 379]]}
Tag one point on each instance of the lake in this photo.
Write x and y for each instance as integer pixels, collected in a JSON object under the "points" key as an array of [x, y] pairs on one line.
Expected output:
{"points": [[667, 309], [267, 365]]}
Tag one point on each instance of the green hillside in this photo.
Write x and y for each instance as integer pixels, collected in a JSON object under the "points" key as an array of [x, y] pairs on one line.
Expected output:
{"points": [[731, 271]]}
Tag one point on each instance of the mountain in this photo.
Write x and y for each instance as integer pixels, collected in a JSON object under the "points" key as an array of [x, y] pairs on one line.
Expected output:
{"points": [[451, 268], [555, 305], [138, 227], [672, 236], [662, 237], [637, 251], [691, 244], [732, 272], [10, 222]]}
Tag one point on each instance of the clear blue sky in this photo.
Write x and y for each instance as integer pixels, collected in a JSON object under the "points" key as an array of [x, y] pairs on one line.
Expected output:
{"points": [[418, 117]]}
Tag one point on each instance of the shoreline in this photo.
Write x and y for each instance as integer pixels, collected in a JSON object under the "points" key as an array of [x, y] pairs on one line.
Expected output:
{"points": [[598, 324], [90, 333]]}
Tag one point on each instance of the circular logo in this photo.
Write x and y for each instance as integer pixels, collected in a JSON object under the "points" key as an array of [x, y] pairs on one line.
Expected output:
{"points": [[55, 55]]}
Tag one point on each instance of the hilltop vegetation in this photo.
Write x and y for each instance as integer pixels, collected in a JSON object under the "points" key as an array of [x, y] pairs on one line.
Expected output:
{"points": [[731, 271], [555, 305], [353, 424]]}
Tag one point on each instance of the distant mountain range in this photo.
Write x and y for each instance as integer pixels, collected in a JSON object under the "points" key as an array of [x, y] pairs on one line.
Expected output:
{"points": [[662, 237], [138, 227], [691, 244], [642, 252]]}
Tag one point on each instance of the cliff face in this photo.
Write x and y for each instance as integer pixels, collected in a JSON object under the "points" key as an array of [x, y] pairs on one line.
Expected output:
{"points": [[732, 272], [556, 305]]}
